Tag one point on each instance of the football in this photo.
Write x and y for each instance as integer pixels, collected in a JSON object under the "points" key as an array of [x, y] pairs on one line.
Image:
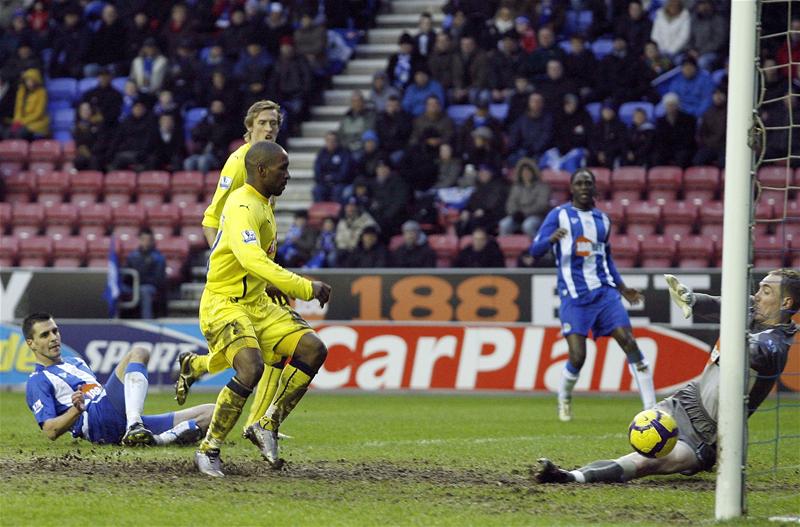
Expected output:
{"points": [[653, 433]]}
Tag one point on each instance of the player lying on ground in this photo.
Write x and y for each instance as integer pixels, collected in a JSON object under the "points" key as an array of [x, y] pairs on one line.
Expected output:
{"points": [[694, 407], [65, 395], [590, 287]]}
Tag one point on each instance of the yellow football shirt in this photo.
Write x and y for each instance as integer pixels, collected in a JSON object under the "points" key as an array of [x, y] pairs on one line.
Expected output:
{"points": [[231, 177], [240, 265]]}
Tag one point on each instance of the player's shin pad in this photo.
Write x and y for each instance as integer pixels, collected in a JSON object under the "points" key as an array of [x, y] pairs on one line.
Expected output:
{"points": [[230, 403], [292, 386], [265, 393]]}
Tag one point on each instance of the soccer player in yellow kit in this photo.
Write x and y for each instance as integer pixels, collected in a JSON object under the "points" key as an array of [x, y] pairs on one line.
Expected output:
{"points": [[239, 321], [262, 122]]}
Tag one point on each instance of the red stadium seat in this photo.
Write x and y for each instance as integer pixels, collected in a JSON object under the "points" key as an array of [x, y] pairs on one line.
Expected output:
{"points": [[41, 167], [701, 183], [186, 187], [195, 236], [602, 181], [192, 215], [512, 246], [128, 220], [175, 247], [9, 248], [695, 252], [152, 187], [60, 219], [94, 219], [51, 188], [5, 217], [557, 179], [85, 187], [163, 219], [770, 252], [664, 182], [97, 249], [9, 168], [69, 252], [35, 251], [779, 177], [711, 214], [45, 150], [615, 209], [765, 209], [680, 217], [628, 182], [210, 182], [68, 151], [625, 251], [19, 187], [119, 187], [321, 210], [657, 251], [445, 246], [27, 219], [643, 218], [15, 150]]}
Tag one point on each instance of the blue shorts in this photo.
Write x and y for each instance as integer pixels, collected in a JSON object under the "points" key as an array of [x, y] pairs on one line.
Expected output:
{"points": [[602, 315], [107, 422]]}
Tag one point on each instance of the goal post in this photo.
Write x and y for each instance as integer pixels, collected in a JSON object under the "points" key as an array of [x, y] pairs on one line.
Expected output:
{"points": [[736, 262]]}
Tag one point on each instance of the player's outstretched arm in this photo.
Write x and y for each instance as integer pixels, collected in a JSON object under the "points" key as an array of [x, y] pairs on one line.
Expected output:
{"points": [[55, 427], [210, 234], [549, 233], [322, 292]]}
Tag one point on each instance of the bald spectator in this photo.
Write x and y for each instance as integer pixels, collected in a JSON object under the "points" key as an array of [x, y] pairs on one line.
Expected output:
{"points": [[532, 132], [547, 50], [433, 117], [555, 85], [107, 45], [356, 121], [483, 252], [675, 133]]}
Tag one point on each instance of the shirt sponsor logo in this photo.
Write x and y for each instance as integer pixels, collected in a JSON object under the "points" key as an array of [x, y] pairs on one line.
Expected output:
{"points": [[37, 406], [225, 182], [585, 247], [249, 236]]}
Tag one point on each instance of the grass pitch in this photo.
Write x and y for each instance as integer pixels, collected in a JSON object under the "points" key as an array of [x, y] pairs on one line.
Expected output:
{"points": [[378, 460]]}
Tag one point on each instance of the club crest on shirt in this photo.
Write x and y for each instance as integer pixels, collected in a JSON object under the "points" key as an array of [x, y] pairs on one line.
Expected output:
{"points": [[249, 236], [225, 182], [574, 221]]}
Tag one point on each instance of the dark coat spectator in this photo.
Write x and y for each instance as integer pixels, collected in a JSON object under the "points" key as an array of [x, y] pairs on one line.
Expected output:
{"points": [[210, 139], [426, 36], [214, 60], [140, 28], [504, 64], [236, 36], [580, 66], [654, 63], [394, 126], [470, 71], [641, 141], [609, 138], [358, 119], [440, 61], [620, 75], [635, 27], [419, 166], [532, 132], [483, 252], [108, 44], [168, 152], [573, 126], [518, 100], [185, 75], [711, 134], [433, 117], [70, 42], [370, 253], [777, 118], [134, 139], [481, 119], [708, 36], [25, 59], [7, 100], [152, 268], [480, 150], [415, 250], [291, 83], [331, 170], [299, 243], [555, 85], [222, 89], [675, 133], [548, 50], [277, 25], [404, 63], [105, 98], [390, 199], [254, 62], [311, 41], [89, 134], [177, 29], [486, 205], [789, 52], [528, 201]]}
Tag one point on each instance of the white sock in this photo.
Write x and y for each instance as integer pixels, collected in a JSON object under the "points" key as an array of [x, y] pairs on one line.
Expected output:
{"points": [[643, 376], [171, 435], [135, 383], [568, 380], [579, 477]]}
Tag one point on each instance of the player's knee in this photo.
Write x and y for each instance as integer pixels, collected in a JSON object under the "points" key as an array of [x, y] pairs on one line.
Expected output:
{"points": [[140, 354], [249, 366]]}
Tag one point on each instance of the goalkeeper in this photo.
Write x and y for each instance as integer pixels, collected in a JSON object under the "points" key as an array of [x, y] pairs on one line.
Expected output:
{"points": [[694, 406]]}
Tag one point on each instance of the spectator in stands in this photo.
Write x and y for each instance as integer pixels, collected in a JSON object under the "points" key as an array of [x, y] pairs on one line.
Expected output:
{"points": [[481, 118], [426, 36], [416, 94], [214, 60], [210, 139], [325, 254], [486, 205], [370, 253], [169, 150], [277, 27], [30, 120], [498, 27], [108, 45], [348, 230], [356, 121], [635, 27], [254, 61], [299, 243], [555, 85], [483, 252], [13, 36], [459, 25], [709, 35], [331, 170], [433, 117], [675, 133], [470, 72], [505, 63], [135, 138], [394, 128], [573, 128], [140, 28], [39, 21], [480, 149], [440, 61], [527, 36], [789, 52], [449, 167], [149, 69], [24, 60], [778, 117], [311, 41], [185, 74], [694, 87], [90, 135], [415, 250], [130, 94], [655, 63], [527, 202], [580, 66], [367, 162], [672, 28], [236, 36], [390, 198], [166, 104], [419, 165], [291, 83], [532, 132], [404, 63], [70, 41], [711, 134], [151, 266], [775, 84], [221, 90], [179, 27], [518, 101], [105, 97], [641, 140], [7, 100], [380, 91], [609, 138], [620, 75], [548, 50]]}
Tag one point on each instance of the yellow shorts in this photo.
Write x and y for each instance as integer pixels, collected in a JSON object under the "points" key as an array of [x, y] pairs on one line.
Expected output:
{"points": [[230, 325]]}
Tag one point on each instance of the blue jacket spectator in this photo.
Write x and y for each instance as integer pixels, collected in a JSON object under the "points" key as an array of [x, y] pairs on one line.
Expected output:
{"points": [[417, 93], [531, 133], [254, 62], [331, 170], [152, 268], [694, 87]]}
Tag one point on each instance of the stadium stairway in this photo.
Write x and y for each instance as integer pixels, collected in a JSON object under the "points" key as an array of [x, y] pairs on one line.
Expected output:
{"points": [[399, 16]]}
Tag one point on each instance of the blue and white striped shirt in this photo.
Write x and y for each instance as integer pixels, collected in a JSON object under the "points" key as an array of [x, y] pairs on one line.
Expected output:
{"points": [[583, 256]]}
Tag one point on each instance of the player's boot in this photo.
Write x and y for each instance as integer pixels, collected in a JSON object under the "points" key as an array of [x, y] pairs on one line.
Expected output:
{"points": [[209, 463], [565, 410], [549, 472], [267, 442], [185, 378], [190, 436], [138, 435]]}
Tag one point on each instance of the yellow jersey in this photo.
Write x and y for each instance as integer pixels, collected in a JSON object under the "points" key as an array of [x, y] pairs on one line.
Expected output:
{"points": [[240, 265], [232, 176]]}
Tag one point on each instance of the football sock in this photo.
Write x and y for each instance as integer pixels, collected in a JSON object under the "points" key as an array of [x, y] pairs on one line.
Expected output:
{"points": [[135, 390], [229, 406], [293, 384], [170, 436], [265, 392], [605, 471], [569, 376], [643, 375], [199, 365]]}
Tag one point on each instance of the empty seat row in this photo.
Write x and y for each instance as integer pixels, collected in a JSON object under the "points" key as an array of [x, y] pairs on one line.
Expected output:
{"points": [[49, 150]]}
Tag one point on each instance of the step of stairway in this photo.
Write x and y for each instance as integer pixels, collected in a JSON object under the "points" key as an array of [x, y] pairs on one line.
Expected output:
{"points": [[416, 6], [389, 35], [306, 144], [329, 112], [301, 161], [352, 81], [365, 66], [376, 50], [319, 128], [406, 19]]}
